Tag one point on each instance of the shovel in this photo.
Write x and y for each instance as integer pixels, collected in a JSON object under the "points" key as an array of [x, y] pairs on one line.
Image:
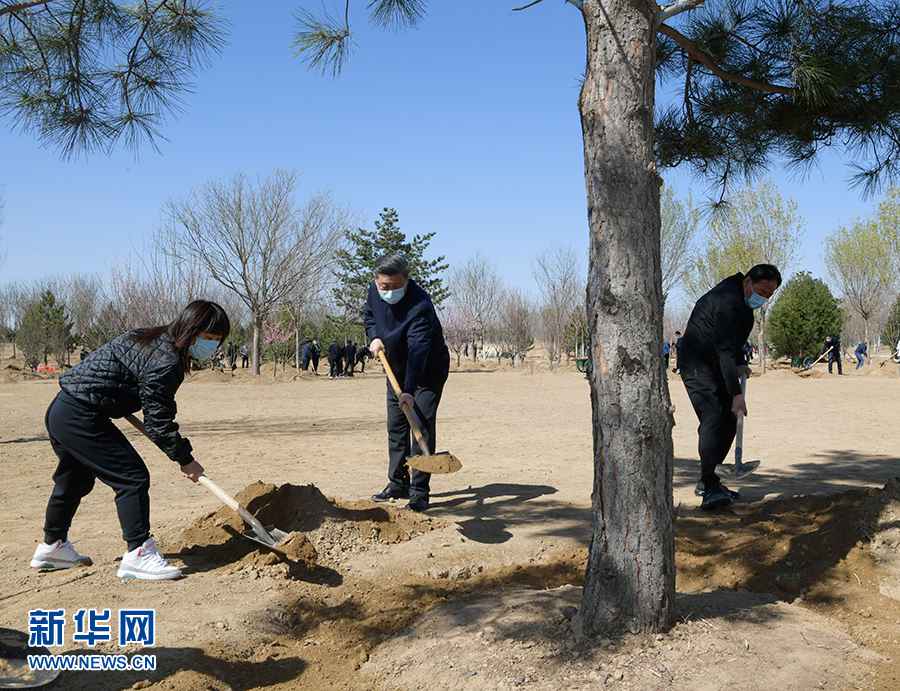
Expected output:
{"points": [[741, 469], [271, 538], [439, 463]]}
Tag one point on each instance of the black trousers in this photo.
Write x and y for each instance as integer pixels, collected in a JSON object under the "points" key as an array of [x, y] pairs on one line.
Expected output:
{"points": [[712, 403], [245, 361], [832, 360], [400, 444], [315, 363], [336, 368], [305, 363], [89, 446]]}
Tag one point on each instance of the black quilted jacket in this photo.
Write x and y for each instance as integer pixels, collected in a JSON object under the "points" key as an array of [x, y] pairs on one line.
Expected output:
{"points": [[122, 377]]}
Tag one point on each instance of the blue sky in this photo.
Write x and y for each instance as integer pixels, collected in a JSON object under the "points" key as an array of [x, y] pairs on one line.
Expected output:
{"points": [[467, 125]]}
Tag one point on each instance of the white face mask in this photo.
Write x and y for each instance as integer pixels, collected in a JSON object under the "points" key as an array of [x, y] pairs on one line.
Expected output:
{"points": [[392, 297]]}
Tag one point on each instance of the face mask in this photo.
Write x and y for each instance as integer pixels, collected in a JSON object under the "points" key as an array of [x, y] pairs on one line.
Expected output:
{"points": [[392, 297], [203, 349], [755, 301]]}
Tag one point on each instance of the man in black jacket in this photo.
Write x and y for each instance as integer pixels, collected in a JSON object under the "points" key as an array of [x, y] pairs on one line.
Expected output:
{"points": [[349, 358], [335, 357], [834, 354], [711, 360], [314, 353], [400, 320]]}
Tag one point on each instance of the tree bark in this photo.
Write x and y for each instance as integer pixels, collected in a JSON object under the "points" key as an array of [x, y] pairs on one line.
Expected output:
{"points": [[630, 580], [297, 349], [254, 353]]}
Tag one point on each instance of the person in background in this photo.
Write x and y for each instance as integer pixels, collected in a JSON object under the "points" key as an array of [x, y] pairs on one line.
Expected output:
{"points": [[304, 356], [335, 356], [665, 353], [834, 354], [748, 352], [401, 322], [232, 355], [245, 356], [139, 370], [677, 351], [362, 354], [315, 353], [349, 358], [711, 362], [861, 352]]}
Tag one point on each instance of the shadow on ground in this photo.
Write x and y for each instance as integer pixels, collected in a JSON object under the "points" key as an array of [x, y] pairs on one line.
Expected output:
{"points": [[834, 471], [240, 676], [498, 508]]}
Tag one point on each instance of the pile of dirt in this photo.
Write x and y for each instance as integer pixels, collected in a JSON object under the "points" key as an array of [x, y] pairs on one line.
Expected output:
{"points": [[324, 531], [812, 374], [889, 371]]}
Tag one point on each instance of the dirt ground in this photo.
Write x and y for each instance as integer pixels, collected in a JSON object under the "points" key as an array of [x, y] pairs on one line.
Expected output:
{"points": [[785, 591]]}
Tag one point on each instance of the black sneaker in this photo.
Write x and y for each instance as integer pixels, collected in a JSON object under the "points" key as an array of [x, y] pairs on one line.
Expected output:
{"points": [[418, 504], [390, 492], [716, 498], [700, 489]]}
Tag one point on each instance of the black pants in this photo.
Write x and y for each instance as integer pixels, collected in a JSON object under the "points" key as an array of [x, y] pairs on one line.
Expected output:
{"points": [[401, 446], [305, 363], [245, 361], [712, 403], [89, 446], [315, 363], [336, 368], [835, 360]]}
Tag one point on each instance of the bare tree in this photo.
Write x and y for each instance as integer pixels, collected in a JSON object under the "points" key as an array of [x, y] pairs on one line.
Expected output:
{"points": [[325, 228], [515, 325], [475, 289], [679, 222], [251, 238], [859, 259], [558, 277], [457, 332]]}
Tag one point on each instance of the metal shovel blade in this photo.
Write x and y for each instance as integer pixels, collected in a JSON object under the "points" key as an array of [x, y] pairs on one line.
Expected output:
{"points": [[742, 470], [274, 538], [440, 463]]}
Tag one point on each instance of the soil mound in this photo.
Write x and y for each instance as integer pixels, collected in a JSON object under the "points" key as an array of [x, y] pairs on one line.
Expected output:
{"points": [[324, 531]]}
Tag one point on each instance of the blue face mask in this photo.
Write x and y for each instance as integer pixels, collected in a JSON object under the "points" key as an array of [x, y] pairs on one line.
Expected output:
{"points": [[392, 297], [755, 301], [203, 349]]}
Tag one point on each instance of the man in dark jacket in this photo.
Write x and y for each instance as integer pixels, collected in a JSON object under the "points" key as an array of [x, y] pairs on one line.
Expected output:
{"points": [[335, 360], [711, 361], [314, 353], [400, 320], [677, 345], [834, 354], [362, 354], [349, 358]]}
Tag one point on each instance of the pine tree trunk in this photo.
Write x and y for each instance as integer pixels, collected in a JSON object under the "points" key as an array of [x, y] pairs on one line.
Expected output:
{"points": [[630, 580], [254, 353]]}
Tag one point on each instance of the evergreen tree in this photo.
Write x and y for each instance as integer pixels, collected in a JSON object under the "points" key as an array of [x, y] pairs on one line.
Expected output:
{"points": [[805, 313], [356, 262], [45, 331]]}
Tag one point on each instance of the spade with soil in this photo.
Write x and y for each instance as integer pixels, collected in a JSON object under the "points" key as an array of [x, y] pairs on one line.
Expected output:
{"points": [[271, 538], [426, 462]]}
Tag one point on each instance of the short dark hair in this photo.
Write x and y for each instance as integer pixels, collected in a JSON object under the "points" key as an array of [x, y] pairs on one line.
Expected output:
{"points": [[677, 333], [765, 272], [393, 264]]}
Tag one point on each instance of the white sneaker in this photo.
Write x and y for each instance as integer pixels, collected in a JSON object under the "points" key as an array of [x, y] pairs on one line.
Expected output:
{"points": [[59, 555], [148, 564]]}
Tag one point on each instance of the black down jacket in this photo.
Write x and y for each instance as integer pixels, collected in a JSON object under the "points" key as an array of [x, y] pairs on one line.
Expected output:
{"points": [[122, 377]]}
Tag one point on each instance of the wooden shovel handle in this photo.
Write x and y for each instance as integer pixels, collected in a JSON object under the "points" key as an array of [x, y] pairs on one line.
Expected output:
{"points": [[223, 496], [413, 423]]}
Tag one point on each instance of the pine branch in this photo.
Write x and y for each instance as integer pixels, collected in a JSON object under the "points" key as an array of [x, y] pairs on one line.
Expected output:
{"points": [[18, 7], [677, 8], [702, 57]]}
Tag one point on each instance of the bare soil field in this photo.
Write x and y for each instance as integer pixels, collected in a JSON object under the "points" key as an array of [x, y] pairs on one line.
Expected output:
{"points": [[797, 587]]}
